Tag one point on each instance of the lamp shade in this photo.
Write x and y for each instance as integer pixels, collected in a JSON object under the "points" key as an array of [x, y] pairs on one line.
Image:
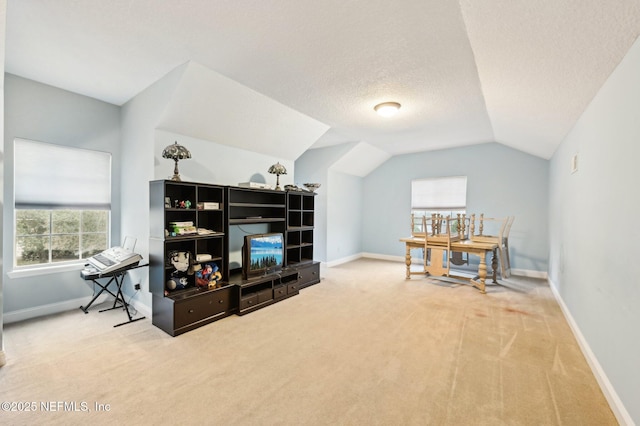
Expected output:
{"points": [[176, 152], [277, 169]]}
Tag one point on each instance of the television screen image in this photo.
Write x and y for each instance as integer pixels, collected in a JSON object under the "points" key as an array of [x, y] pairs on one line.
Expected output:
{"points": [[263, 254]]}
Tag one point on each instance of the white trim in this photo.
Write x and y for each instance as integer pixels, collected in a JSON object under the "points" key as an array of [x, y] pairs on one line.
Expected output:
{"points": [[414, 260], [52, 308], [621, 413], [389, 257], [530, 273], [68, 305], [343, 260], [45, 270]]}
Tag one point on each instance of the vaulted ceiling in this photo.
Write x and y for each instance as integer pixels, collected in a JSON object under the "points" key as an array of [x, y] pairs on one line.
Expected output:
{"points": [[517, 72]]}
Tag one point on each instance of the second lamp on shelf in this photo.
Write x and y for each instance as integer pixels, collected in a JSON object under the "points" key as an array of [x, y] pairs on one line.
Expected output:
{"points": [[277, 169]]}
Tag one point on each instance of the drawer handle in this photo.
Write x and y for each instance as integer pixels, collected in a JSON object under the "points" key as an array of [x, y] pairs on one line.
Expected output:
{"points": [[190, 311], [250, 302], [220, 301]]}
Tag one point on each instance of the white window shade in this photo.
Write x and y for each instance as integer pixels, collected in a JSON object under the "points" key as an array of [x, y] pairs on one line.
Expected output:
{"points": [[50, 176], [447, 193]]}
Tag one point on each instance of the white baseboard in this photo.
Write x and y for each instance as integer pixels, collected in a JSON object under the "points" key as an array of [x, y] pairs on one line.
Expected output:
{"points": [[389, 257], [520, 272], [52, 308], [68, 305], [621, 413], [343, 260], [370, 256], [530, 273]]}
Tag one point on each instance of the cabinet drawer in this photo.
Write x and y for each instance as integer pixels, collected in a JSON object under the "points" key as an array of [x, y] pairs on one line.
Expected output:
{"points": [[200, 307], [279, 292], [248, 301], [293, 288], [310, 274], [220, 301]]}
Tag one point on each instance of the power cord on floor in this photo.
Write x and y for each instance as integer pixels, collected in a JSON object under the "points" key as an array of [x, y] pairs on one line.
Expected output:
{"points": [[132, 310]]}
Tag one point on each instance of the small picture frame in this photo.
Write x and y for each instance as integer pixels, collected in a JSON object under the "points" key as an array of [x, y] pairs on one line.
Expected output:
{"points": [[167, 202]]}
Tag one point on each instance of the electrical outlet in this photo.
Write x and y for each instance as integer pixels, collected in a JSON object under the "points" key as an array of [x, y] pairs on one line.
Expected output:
{"points": [[137, 286]]}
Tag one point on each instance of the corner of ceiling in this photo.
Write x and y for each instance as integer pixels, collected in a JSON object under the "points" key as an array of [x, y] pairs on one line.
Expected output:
{"points": [[360, 160], [209, 106]]}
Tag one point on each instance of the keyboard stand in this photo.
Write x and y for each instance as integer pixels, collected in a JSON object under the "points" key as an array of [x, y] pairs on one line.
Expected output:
{"points": [[116, 276]]}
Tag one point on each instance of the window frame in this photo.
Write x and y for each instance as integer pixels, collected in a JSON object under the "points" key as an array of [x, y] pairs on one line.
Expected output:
{"points": [[50, 234], [438, 208], [103, 181]]}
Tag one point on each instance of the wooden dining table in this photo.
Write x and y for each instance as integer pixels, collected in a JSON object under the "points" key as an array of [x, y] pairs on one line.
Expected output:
{"points": [[478, 248]]}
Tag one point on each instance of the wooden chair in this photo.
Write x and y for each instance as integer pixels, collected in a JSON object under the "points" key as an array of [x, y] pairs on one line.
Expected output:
{"points": [[415, 222], [505, 244], [461, 226], [500, 238], [437, 244]]}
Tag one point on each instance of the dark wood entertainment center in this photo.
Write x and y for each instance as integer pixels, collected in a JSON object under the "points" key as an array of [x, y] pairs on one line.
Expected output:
{"points": [[228, 209]]}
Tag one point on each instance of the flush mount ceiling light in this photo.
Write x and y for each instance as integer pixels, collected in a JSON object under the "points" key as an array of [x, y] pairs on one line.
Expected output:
{"points": [[387, 109]]}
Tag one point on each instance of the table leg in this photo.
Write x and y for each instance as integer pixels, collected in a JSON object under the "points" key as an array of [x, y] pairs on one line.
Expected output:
{"points": [[494, 266], [482, 273], [407, 261]]}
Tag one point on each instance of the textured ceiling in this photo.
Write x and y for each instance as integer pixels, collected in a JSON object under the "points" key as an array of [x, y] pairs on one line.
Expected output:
{"points": [[470, 71]]}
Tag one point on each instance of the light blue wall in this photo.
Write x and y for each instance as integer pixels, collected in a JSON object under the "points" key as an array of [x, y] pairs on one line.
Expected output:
{"points": [[344, 216], [500, 182], [313, 166], [48, 114], [593, 227], [139, 118]]}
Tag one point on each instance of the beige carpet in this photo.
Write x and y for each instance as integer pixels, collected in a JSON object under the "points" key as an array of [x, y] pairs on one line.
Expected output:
{"points": [[363, 347]]}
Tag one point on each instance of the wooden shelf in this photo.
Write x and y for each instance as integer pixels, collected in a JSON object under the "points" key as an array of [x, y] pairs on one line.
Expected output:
{"points": [[194, 236], [280, 206], [256, 220]]}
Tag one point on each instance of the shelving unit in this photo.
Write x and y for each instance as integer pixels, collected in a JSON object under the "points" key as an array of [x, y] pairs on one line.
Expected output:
{"points": [[300, 227], [299, 236], [182, 310], [290, 213]]}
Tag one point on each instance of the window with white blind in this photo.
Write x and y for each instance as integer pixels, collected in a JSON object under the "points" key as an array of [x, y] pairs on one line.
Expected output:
{"points": [[62, 200], [443, 195]]}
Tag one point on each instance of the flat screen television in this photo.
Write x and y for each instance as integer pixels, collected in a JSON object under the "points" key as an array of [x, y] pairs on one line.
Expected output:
{"points": [[262, 254]]}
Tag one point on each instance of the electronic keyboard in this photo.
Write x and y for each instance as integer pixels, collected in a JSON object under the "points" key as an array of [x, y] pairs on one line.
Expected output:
{"points": [[113, 259]]}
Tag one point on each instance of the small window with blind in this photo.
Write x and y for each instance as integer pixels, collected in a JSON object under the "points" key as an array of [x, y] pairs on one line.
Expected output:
{"points": [[62, 203], [442, 195]]}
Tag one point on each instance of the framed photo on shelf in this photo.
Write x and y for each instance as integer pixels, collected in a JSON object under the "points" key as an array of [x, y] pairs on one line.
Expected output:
{"points": [[167, 202]]}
